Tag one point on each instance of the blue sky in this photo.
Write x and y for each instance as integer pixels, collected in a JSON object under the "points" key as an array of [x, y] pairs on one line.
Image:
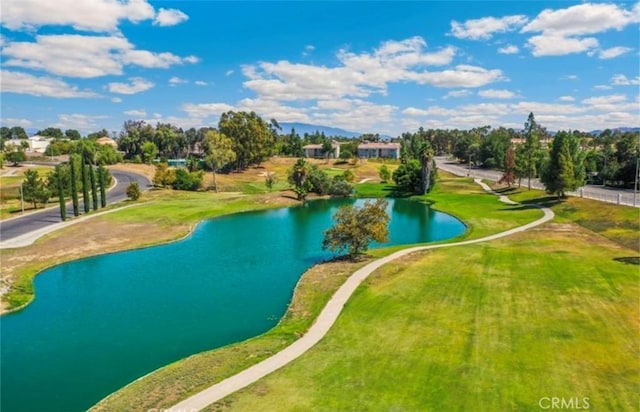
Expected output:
{"points": [[380, 67]]}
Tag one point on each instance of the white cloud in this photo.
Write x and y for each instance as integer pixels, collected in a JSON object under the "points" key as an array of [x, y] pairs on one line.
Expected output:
{"points": [[457, 93], [228, 73], [622, 80], [88, 15], [602, 87], [613, 52], [582, 19], [175, 80], [169, 17], [308, 49], [509, 49], [484, 28], [16, 122], [566, 99], [200, 83], [116, 100], [137, 85], [547, 45], [412, 111], [23, 83], [496, 94], [80, 122], [136, 113], [82, 56], [204, 110], [562, 30], [570, 77], [362, 74]]}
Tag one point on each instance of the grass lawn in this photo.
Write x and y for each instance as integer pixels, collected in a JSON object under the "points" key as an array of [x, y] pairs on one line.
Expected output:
{"points": [[10, 180], [487, 327], [175, 382]]}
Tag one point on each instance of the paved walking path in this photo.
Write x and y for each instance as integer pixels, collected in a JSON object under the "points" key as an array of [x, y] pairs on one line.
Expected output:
{"points": [[326, 319]]}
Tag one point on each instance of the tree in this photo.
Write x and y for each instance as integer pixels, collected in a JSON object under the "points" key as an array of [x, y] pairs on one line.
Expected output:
{"points": [[327, 149], [16, 156], [149, 152], [270, 179], [85, 187], [94, 187], [299, 178], [509, 175], [51, 132], [219, 152], [103, 180], [18, 132], [531, 147], [384, 173], [60, 186], [133, 191], [73, 159], [34, 188], [73, 134], [355, 228], [561, 173], [408, 176], [253, 140]]}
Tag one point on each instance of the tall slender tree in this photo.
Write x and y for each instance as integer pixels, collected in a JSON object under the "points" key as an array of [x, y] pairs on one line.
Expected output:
{"points": [[102, 178], [94, 187], [74, 183], [85, 186], [60, 184], [531, 147]]}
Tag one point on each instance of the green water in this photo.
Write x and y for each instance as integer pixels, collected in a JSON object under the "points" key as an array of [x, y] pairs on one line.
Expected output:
{"points": [[99, 323]]}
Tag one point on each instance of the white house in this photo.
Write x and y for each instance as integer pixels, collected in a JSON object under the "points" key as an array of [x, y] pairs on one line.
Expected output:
{"points": [[375, 150], [316, 151], [37, 144]]}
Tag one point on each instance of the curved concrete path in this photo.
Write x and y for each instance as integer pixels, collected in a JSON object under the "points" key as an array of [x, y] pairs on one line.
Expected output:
{"points": [[326, 319]]}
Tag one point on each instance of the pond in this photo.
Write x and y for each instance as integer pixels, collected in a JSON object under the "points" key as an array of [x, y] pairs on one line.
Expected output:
{"points": [[99, 323]]}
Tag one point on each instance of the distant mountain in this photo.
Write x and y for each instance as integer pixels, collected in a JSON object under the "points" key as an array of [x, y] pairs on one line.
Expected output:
{"points": [[302, 128], [617, 129]]}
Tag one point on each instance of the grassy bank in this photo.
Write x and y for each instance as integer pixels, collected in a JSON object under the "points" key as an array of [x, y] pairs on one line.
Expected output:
{"points": [[485, 327], [181, 379]]}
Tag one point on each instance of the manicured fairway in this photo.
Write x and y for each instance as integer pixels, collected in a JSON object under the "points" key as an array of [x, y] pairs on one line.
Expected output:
{"points": [[488, 327]]}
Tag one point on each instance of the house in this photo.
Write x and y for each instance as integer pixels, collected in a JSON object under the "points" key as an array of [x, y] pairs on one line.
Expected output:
{"points": [[375, 150], [107, 141], [315, 151], [37, 144]]}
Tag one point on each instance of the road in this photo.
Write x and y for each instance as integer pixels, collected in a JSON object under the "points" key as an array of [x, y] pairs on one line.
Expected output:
{"points": [[19, 226], [603, 194]]}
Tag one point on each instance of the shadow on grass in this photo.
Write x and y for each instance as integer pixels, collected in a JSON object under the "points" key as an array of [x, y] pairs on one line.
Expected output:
{"points": [[506, 190], [547, 201], [631, 260]]}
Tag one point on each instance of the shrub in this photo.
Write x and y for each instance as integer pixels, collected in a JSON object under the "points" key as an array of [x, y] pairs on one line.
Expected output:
{"points": [[187, 181], [133, 191], [341, 188]]}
